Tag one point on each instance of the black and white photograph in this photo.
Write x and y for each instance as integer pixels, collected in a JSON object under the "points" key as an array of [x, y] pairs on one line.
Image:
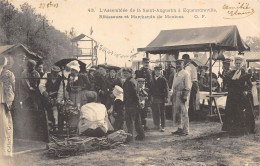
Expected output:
{"points": [[129, 82]]}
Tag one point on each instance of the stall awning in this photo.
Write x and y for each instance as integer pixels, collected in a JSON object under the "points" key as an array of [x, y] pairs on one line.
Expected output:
{"points": [[197, 39]]}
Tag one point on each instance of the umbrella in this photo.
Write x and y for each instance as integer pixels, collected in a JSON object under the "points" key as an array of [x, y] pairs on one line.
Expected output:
{"points": [[62, 63]]}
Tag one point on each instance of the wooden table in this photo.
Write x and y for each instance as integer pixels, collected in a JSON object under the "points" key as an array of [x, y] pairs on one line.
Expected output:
{"points": [[215, 95]]}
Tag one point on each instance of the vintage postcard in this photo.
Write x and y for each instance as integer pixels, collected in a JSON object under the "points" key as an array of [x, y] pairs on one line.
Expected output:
{"points": [[120, 37]]}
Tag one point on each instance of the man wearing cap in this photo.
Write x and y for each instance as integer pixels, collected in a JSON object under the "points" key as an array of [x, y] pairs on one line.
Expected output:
{"points": [[101, 85], [49, 87], [39, 68], [111, 80], [145, 73], [191, 68], [180, 98], [92, 79], [131, 101], [226, 69], [159, 95]]}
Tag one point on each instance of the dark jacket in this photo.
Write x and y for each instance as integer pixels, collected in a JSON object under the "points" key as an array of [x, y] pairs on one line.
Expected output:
{"points": [[159, 90], [53, 87], [145, 73], [131, 98]]}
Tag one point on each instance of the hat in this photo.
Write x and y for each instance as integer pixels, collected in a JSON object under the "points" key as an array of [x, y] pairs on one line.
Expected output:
{"points": [[140, 79], [185, 56], [118, 90], [157, 68], [31, 62], [73, 63], [227, 61], [90, 96], [92, 69], [55, 69], [102, 65], [75, 67], [129, 70], [238, 57], [113, 68], [146, 60]]}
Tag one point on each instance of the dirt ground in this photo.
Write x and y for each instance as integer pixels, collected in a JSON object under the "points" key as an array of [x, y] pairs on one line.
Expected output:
{"points": [[206, 145]]}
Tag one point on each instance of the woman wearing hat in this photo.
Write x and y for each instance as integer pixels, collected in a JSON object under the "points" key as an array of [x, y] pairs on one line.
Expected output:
{"points": [[239, 118], [118, 108], [75, 85], [7, 86]]}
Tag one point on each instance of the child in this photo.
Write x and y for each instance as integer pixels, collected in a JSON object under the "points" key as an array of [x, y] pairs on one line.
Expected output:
{"points": [[118, 108]]}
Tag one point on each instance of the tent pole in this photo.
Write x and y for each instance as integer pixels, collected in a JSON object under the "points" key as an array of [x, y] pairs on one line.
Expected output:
{"points": [[147, 54], [210, 78]]}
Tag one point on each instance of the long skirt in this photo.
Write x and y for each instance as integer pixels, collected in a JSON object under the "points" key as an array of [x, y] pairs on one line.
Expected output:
{"points": [[239, 116], [6, 132]]}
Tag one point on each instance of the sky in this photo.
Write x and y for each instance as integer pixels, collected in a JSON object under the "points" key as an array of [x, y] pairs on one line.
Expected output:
{"points": [[124, 36]]}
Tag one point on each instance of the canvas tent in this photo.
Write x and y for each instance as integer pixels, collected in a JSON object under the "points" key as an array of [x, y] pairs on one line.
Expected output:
{"points": [[197, 40]]}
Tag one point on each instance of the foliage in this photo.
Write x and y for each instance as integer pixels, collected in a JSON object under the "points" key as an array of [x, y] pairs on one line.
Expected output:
{"points": [[33, 30], [254, 43]]}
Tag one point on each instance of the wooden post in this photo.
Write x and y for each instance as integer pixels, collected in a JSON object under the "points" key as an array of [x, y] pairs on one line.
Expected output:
{"points": [[105, 57], [210, 78], [147, 54], [92, 54]]}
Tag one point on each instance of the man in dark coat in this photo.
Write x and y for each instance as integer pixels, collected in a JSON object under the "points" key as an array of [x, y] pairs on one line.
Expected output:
{"points": [[49, 87], [145, 73], [92, 79], [101, 85], [112, 80], [226, 69], [131, 101], [159, 94]]}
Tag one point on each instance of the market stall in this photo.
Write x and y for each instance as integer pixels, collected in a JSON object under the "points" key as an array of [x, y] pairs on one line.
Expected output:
{"points": [[207, 39]]}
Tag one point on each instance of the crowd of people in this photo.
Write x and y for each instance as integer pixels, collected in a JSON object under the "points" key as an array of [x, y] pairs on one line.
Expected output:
{"points": [[107, 96]]}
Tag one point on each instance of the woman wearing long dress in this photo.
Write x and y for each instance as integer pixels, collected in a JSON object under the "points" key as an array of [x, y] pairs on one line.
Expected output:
{"points": [[239, 117], [7, 84]]}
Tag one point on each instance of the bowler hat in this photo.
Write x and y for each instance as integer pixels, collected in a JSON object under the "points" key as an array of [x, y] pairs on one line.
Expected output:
{"points": [[185, 56], [227, 61], [55, 69]]}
